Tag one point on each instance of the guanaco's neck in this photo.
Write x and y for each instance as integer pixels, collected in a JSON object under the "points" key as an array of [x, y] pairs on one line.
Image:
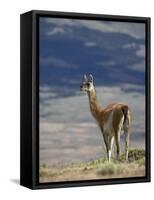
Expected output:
{"points": [[94, 104]]}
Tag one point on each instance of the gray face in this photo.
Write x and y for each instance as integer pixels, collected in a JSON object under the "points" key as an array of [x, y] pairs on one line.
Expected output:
{"points": [[87, 84]]}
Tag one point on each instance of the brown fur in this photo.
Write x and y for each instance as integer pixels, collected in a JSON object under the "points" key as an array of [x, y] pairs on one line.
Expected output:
{"points": [[102, 114]]}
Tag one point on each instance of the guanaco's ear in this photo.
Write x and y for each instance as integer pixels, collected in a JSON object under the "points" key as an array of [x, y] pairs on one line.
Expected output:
{"points": [[85, 78], [90, 78]]}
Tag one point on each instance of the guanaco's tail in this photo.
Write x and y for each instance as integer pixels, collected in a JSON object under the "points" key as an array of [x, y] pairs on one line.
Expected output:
{"points": [[127, 117]]}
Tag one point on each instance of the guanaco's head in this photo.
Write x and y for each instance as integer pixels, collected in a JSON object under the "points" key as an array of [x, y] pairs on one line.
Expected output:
{"points": [[87, 84]]}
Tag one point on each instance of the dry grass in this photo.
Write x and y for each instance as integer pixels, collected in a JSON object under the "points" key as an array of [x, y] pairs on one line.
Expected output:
{"points": [[110, 168], [97, 169]]}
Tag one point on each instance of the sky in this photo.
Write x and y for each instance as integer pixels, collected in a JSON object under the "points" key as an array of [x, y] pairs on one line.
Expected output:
{"points": [[114, 53]]}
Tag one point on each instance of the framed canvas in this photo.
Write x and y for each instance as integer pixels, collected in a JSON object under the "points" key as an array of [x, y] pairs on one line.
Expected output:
{"points": [[85, 99]]}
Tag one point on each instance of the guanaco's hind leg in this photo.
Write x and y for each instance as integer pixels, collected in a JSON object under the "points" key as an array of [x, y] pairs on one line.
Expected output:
{"points": [[126, 132], [117, 142], [126, 128]]}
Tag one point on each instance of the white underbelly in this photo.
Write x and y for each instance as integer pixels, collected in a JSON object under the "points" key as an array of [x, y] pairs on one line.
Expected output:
{"points": [[108, 131], [108, 126]]}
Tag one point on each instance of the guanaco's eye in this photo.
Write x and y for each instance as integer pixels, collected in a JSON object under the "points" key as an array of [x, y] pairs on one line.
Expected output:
{"points": [[88, 84]]}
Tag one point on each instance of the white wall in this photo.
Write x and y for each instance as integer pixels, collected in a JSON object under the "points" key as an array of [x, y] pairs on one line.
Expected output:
{"points": [[9, 102]]}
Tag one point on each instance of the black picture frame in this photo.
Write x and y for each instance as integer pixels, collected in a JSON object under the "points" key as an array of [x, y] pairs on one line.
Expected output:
{"points": [[29, 89]]}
